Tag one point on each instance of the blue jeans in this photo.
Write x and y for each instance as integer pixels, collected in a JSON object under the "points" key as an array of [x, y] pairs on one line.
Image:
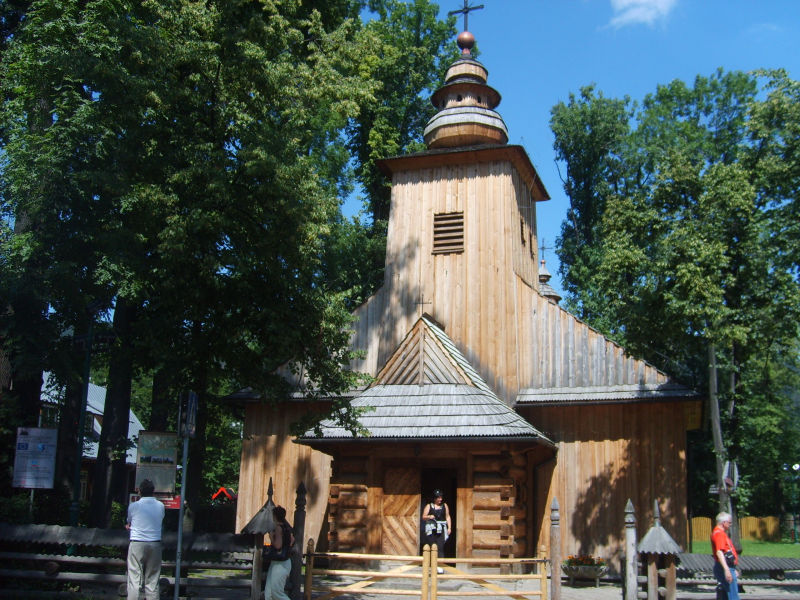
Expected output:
{"points": [[725, 590]]}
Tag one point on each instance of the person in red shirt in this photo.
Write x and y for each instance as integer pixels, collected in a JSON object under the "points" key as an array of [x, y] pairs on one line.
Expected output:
{"points": [[725, 574]]}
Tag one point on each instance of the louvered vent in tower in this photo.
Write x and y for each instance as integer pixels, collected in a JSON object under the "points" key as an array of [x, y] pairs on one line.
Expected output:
{"points": [[448, 233]]}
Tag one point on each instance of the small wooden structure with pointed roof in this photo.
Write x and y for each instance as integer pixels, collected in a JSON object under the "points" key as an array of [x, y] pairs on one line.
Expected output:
{"points": [[659, 558], [485, 387]]}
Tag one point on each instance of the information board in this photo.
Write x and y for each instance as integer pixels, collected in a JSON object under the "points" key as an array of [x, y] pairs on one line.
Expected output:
{"points": [[35, 458], [156, 460]]}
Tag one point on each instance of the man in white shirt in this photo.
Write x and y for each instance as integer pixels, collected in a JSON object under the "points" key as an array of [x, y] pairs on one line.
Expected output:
{"points": [[145, 517]]}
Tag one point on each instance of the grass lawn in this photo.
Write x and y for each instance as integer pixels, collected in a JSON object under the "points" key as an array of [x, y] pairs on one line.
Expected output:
{"points": [[755, 548]]}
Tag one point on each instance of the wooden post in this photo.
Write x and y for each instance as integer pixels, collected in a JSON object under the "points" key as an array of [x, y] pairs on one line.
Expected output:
{"points": [[652, 577], [671, 578], [555, 550], [310, 570], [258, 553], [297, 552], [631, 558], [543, 579], [426, 571], [434, 572]]}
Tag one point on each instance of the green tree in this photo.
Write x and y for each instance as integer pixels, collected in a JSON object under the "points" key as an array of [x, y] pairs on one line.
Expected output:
{"points": [[590, 131], [691, 256], [171, 173], [408, 50], [179, 180]]}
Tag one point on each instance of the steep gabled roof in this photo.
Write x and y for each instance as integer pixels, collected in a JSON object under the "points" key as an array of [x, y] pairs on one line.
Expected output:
{"points": [[429, 390], [427, 355]]}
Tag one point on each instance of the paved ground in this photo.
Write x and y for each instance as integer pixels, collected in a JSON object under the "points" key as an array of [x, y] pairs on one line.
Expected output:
{"points": [[607, 590], [613, 591]]}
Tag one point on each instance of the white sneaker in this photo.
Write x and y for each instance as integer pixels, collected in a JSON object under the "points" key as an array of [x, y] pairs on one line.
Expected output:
{"points": [[439, 570]]}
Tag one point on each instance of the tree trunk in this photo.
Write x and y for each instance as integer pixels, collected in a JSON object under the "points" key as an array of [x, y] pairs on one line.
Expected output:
{"points": [[197, 456], [67, 449], [110, 479], [716, 429], [161, 403], [732, 383]]}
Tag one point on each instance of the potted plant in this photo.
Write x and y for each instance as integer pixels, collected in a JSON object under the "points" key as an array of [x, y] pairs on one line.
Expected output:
{"points": [[584, 566]]}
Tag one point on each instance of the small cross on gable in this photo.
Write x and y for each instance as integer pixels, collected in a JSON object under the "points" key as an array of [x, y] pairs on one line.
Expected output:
{"points": [[421, 303]]}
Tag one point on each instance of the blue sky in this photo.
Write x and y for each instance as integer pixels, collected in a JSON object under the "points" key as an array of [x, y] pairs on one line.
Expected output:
{"points": [[538, 51]]}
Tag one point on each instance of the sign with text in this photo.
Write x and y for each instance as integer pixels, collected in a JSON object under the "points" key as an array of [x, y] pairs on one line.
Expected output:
{"points": [[157, 459], [170, 502], [35, 458]]}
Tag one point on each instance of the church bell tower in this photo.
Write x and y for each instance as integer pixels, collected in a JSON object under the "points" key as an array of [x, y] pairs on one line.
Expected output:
{"points": [[462, 226]]}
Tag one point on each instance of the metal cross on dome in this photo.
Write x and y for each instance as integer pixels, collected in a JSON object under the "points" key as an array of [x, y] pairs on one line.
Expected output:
{"points": [[465, 11]]}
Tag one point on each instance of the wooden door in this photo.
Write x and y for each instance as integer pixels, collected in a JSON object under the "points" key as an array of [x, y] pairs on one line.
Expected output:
{"points": [[400, 518]]}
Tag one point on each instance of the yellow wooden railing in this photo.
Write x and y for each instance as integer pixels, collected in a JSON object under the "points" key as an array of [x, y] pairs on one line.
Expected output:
{"points": [[421, 572]]}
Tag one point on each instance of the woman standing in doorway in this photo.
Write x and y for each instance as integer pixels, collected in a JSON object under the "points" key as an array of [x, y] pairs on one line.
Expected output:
{"points": [[438, 527]]}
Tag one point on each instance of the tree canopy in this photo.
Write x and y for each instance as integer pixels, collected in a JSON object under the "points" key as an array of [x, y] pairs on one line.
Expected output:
{"points": [[171, 173], [682, 235]]}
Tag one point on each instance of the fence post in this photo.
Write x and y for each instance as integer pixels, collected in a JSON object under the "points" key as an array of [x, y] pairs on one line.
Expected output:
{"points": [[631, 557], [426, 571], [256, 573], [309, 570], [555, 550], [543, 579], [299, 531], [434, 572]]}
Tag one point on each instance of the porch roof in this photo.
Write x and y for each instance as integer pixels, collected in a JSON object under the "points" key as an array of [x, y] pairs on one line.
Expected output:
{"points": [[432, 412]]}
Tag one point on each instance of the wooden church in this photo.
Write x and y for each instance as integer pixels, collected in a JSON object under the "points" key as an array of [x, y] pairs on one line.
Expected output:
{"points": [[484, 387]]}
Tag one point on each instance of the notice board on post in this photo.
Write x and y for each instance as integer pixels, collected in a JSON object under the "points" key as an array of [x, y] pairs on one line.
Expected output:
{"points": [[157, 460], [35, 458]]}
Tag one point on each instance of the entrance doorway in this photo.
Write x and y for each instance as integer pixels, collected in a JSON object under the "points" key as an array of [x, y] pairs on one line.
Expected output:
{"points": [[446, 481]]}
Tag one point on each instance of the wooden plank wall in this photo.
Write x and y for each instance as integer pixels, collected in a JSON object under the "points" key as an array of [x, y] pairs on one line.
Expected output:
{"points": [[268, 451], [486, 297], [565, 352], [606, 455], [750, 528], [471, 293]]}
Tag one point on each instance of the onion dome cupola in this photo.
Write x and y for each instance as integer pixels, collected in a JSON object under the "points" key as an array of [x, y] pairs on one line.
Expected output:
{"points": [[545, 289], [466, 105]]}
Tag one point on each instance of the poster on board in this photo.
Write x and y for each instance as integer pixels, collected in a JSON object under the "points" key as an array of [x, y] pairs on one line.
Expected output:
{"points": [[35, 458], [157, 460]]}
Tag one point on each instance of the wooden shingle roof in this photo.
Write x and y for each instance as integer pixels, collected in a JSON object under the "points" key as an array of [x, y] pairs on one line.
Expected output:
{"points": [[429, 390], [433, 411], [608, 394]]}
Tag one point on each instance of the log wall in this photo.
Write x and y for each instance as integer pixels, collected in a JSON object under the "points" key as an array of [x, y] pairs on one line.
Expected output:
{"points": [[375, 501]]}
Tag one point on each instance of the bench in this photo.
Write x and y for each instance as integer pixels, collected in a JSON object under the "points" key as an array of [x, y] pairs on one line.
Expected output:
{"points": [[50, 561]]}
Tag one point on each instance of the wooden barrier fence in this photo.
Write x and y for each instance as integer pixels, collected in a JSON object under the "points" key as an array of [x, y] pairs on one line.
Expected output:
{"points": [[750, 528], [421, 573]]}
